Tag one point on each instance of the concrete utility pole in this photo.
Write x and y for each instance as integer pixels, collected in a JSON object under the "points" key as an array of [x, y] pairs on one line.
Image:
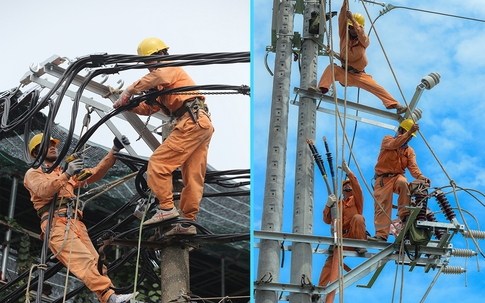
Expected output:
{"points": [[269, 250], [174, 264], [301, 255]]}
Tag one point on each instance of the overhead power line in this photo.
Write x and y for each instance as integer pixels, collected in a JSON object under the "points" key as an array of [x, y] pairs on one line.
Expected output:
{"points": [[390, 7]]}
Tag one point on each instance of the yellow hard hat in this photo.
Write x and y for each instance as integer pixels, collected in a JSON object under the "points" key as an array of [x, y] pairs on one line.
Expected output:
{"points": [[345, 182], [36, 141], [359, 18], [407, 124], [150, 46]]}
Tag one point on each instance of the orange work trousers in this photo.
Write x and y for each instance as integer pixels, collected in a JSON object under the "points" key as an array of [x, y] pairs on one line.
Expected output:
{"points": [[361, 80], [383, 202], [356, 231], [79, 255], [185, 147]]}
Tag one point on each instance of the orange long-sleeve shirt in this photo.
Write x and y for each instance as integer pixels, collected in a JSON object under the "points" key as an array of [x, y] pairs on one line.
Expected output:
{"points": [[394, 159], [356, 48], [163, 79], [352, 205], [42, 186]]}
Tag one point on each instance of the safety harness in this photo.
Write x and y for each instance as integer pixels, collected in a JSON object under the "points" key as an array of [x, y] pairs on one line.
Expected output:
{"points": [[352, 70], [64, 203], [192, 106], [381, 176]]}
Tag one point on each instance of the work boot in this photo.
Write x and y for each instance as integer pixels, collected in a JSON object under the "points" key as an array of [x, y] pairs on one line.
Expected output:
{"points": [[401, 109], [121, 298], [179, 229], [361, 250], [162, 215], [377, 239]]}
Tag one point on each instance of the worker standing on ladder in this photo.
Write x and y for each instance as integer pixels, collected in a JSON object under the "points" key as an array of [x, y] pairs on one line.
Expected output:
{"points": [[356, 62], [394, 157], [76, 251], [353, 225], [185, 147]]}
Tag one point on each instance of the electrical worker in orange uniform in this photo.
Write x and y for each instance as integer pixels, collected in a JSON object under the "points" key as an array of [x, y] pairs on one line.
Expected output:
{"points": [[185, 147], [358, 41], [353, 224], [394, 157], [82, 257]]}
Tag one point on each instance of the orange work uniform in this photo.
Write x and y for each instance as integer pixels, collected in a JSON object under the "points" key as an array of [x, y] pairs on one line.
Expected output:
{"points": [[353, 223], [395, 156], [83, 260], [356, 62], [185, 147]]}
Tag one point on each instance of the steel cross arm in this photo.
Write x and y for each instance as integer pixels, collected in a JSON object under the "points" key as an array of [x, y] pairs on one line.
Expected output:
{"points": [[116, 132], [350, 105], [51, 67], [101, 90], [69, 93], [448, 226], [350, 278], [100, 108], [295, 288], [271, 235], [55, 70], [427, 250], [363, 269]]}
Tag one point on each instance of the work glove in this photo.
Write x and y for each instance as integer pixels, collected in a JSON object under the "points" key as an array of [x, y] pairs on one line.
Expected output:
{"points": [[74, 167], [123, 99], [345, 167], [331, 200], [117, 145]]}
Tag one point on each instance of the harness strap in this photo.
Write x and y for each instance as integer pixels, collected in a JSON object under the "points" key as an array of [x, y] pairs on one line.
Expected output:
{"points": [[62, 215], [386, 175], [59, 203], [352, 70], [191, 104], [67, 203]]}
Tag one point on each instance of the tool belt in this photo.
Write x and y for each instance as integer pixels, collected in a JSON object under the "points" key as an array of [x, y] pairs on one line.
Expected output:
{"points": [[352, 70], [386, 175], [193, 105]]}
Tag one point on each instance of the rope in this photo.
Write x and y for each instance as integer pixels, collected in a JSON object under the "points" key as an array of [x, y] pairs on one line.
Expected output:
{"points": [[40, 266], [139, 245], [387, 59], [337, 223], [107, 187], [340, 246], [67, 228]]}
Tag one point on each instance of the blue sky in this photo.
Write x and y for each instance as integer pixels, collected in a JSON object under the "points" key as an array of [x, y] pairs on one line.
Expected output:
{"points": [[416, 44]]}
